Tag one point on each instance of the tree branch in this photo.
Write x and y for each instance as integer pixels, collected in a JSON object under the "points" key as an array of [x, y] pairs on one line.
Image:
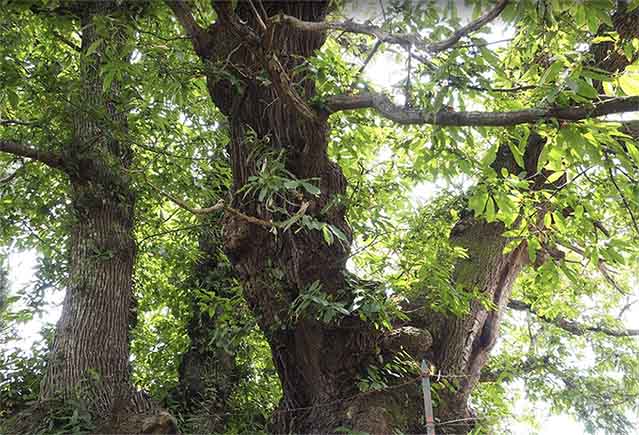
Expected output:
{"points": [[390, 110], [220, 205], [199, 36], [470, 27], [183, 205], [571, 326], [10, 122], [14, 174], [51, 159], [508, 373], [403, 39], [603, 269], [626, 205]]}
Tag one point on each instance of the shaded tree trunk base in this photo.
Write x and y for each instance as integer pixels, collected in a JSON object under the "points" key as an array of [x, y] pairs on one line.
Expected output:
{"points": [[136, 415]]}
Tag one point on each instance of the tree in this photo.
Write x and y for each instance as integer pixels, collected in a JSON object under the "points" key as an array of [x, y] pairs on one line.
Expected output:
{"points": [[86, 129], [279, 128]]}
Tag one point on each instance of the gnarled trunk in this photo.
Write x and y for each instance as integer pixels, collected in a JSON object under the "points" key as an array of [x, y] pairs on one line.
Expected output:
{"points": [[319, 363], [276, 269]]}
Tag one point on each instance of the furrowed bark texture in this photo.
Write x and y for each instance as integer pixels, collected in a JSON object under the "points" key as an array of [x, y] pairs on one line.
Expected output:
{"points": [[319, 364], [276, 269], [461, 346], [90, 354]]}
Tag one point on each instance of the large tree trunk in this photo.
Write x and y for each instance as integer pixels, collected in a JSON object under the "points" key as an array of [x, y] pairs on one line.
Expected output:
{"points": [[90, 354], [319, 364], [277, 269]]}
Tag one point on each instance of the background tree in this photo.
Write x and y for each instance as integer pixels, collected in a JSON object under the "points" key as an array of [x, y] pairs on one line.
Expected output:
{"points": [[82, 134]]}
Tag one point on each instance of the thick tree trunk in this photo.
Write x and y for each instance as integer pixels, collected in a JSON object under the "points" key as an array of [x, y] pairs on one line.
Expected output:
{"points": [[319, 364], [276, 269], [91, 342], [90, 355], [461, 345]]}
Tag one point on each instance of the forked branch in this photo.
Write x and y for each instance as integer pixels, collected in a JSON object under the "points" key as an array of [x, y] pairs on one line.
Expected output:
{"points": [[403, 39], [199, 36]]}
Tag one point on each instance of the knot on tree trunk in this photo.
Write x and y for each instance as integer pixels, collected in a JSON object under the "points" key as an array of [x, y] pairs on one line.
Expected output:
{"points": [[241, 237]]}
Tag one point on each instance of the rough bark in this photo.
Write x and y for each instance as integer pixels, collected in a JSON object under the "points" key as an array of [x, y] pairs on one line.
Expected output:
{"points": [[90, 355], [276, 269], [261, 103], [461, 346]]}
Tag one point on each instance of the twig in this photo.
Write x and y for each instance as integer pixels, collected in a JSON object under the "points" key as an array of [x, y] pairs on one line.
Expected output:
{"points": [[13, 175], [407, 103], [8, 122], [625, 201], [381, 5], [572, 326], [257, 15], [220, 205], [175, 230], [605, 272], [378, 43]]}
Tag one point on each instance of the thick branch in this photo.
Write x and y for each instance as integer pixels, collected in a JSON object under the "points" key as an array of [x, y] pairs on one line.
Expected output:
{"points": [[403, 39], [572, 326], [51, 159], [389, 110]]}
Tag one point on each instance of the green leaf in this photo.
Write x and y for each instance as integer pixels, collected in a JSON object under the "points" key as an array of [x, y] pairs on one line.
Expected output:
{"points": [[328, 236], [552, 72], [93, 47], [533, 247], [629, 82], [490, 210], [310, 188], [555, 176], [517, 154], [585, 89], [633, 151], [490, 156], [477, 202]]}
